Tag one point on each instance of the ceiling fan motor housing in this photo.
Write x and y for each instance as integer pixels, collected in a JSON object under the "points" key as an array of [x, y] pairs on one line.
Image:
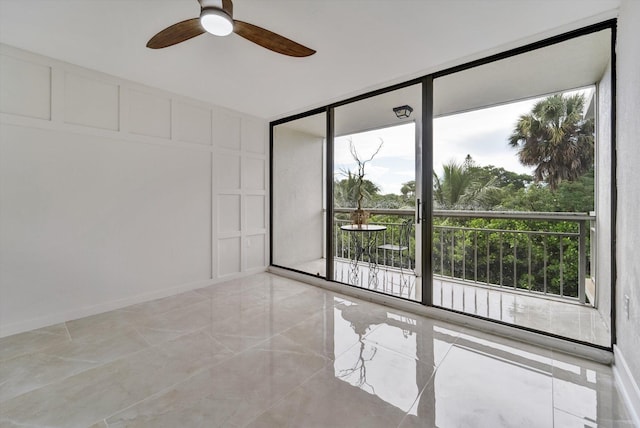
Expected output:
{"points": [[224, 5], [216, 17]]}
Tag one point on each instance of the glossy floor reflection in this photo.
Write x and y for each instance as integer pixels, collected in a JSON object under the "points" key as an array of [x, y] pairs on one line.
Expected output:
{"points": [[566, 319], [386, 279], [266, 351], [562, 318]]}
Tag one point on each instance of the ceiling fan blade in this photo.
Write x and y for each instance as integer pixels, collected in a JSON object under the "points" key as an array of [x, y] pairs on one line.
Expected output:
{"points": [[176, 33], [270, 40]]}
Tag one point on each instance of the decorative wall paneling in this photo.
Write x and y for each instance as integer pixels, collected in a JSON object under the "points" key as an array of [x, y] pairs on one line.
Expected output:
{"points": [[113, 193]]}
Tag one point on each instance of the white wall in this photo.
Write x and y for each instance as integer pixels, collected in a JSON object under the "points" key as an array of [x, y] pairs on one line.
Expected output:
{"points": [[298, 197], [628, 181], [602, 256], [113, 193]]}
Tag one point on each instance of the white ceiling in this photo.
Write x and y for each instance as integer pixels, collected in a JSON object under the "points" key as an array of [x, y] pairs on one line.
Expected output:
{"points": [[361, 44], [575, 63], [571, 64]]}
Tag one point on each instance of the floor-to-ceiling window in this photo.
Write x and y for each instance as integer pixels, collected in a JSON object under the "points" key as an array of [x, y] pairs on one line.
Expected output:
{"points": [[519, 162], [483, 189]]}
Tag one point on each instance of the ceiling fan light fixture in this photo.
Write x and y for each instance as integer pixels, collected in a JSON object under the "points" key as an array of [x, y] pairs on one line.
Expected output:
{"points": [[216, 17], [216, 21]]}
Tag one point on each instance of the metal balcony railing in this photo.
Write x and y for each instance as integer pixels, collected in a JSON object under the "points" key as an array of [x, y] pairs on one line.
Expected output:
{"points": [[531, 252], [383, 257]]}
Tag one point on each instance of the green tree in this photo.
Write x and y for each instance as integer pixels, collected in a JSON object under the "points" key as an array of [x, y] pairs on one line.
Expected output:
{"points": [[570, 196], [388, 201], [459, 188], [408, 189], [503, 178], [556, 139], [347, 191], [536, 197], [578, 195]]}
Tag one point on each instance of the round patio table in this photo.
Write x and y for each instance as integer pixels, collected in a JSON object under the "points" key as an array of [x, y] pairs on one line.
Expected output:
{"points": [[365, 238]]}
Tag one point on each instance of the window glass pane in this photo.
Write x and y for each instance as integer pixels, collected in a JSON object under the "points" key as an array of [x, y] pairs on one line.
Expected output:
{"points": [[517, 165]]}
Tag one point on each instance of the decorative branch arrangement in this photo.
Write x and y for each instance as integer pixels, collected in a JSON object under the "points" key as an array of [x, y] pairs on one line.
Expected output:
{"points": [[360, 216]]}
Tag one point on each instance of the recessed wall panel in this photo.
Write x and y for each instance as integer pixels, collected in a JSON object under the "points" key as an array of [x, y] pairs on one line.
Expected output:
{"points": [[25, 88], [91, 102], [255, 210], [226, 129], [149, 114], [191, 124], [228, 256], [253, 174], [227, 171], [228, 213], [255, 251]]}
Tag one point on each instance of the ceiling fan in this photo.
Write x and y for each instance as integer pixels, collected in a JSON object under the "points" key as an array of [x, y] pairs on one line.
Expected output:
{"points": [[216, 17]]}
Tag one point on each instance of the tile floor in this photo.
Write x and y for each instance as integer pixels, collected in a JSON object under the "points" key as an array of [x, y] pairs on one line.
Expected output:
{"points": [[266, 351]]}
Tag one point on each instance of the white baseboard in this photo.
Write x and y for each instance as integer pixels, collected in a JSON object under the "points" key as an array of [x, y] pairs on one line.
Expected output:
{"points": [[60, 317], [627, 384]]}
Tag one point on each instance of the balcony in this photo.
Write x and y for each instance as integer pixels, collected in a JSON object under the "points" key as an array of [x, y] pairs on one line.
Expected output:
{"points": [[526, 268]]}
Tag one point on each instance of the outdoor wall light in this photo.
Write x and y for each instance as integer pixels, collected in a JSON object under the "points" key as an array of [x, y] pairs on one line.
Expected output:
{"points": [[402, 112]]}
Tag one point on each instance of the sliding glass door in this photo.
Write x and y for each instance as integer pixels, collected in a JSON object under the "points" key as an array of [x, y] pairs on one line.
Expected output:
{"points": [[376, 173]]}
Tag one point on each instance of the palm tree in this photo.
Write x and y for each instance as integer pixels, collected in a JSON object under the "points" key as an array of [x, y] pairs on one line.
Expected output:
{"points": [[556, 139], [458, 189]]}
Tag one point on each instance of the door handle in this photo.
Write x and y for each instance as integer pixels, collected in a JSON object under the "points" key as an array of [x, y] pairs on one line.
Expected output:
{"points": [[418, 211]]}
